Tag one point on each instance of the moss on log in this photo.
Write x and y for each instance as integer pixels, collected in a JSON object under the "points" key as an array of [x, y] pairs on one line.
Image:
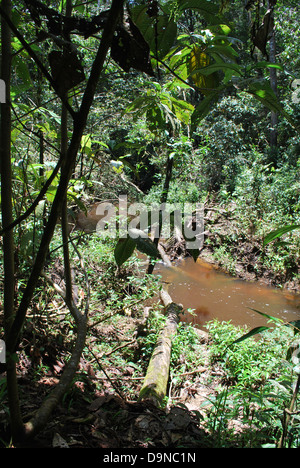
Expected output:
{"points": [[157, 376]]}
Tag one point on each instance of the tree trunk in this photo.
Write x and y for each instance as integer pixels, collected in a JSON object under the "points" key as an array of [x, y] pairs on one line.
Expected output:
{"points": [[164, 198], [41, 417], [64, 215], [7, 218], [157, 376], [273, 83]]}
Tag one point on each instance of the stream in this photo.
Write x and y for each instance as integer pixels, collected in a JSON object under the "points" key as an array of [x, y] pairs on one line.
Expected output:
{"points": [[214, 294]]}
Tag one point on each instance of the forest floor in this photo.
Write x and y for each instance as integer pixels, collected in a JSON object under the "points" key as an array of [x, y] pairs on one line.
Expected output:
{"points": [[103, 411], [112, 417]]}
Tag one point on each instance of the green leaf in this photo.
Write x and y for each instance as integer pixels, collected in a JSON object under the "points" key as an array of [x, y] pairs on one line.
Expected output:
{"points": [[263, 92], [101, 143], [222, 50], [136, 239], [147, 246], [265, 64], [217, 66], [225, 29], [155, 119], [80, 8], [123, 250], [86, 144], [203, 109], [44, 111], [178, 61], [252, 332], [182, 109], [194, 253], [269, 317], [197, 62], [206, 8], [160, 36], [140, 105], [74, 196], [279, 232]]}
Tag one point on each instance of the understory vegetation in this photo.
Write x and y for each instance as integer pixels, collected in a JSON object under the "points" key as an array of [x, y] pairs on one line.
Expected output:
{"points": [[163, 102], [232, 395]]}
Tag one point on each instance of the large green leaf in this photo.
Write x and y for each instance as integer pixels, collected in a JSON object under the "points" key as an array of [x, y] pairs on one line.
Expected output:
{"points": [[269, 317], [155, 118], [279, 232], [197, 62], [143, 243], [260, 329], [140, 105], [222, 51], [160, 33], [123, 250], [265, 64], [182, 109], [263, 92], [136, 239], [295, 324], [218, 66], [252, 332], [203, 108]]}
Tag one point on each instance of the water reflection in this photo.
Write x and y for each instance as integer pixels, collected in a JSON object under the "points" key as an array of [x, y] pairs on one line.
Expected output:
{"points": [[214, 294]]}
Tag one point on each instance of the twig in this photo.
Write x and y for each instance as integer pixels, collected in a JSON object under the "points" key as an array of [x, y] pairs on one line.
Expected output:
{"points": [[128, 343], [103, 370], [197, 371], [93, 325], [123, 378]]}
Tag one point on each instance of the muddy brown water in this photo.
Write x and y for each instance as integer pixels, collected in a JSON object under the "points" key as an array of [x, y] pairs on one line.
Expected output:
{"points": [[214, 294]]}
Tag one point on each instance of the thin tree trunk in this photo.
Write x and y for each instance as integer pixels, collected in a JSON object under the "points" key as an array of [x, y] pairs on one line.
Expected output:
{"points": [[164, 198], [7, 218], [41, 417], [64, 217], [273, 83]]}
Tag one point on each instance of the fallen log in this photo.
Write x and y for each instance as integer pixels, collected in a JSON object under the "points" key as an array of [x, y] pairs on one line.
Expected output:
{"points": [[156, 380]]}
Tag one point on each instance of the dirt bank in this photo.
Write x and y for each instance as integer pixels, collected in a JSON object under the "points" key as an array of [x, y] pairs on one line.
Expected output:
{"points": [[240, 252]]}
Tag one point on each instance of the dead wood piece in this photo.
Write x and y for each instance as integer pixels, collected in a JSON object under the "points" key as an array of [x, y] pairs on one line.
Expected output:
{"points": [[164, 256], [165, 297]]}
